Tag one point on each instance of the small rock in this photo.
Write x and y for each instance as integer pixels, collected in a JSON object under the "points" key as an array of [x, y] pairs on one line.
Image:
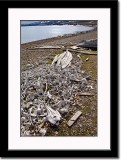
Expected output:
{"points": [[80, 125], [33, 115], [28, 65], [82, 107], [38, 112], [89, 86], [27, 133], [41, 125], [26, 115], [74, 47], [40, 92], [56, 133], [49, 95], [63, 110], [43, 131], [27, 125], [44, 119], [28, 105], [36, 96], [88, 78], [82, 72], [23, 119], [87, 59], [84, 82]]}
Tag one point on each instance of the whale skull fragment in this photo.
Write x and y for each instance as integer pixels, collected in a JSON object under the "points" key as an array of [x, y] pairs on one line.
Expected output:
{"points": [[53, 116], [63, 59]]}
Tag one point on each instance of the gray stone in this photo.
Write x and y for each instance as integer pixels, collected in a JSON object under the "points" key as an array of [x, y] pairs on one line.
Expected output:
{"points": [[43, 131], [63, 110]]}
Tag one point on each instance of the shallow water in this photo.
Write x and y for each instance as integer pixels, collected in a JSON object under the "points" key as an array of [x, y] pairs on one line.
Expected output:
{"points": [[34, 33]]}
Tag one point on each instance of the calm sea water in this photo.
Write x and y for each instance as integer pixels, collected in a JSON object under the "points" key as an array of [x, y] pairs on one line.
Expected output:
{"points": [[34, 33]]}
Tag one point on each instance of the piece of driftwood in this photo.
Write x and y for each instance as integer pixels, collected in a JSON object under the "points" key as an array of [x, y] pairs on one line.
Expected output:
{"points": [[74, 118], [85, 94], [47, 47], [92, 43], [83, 52]]}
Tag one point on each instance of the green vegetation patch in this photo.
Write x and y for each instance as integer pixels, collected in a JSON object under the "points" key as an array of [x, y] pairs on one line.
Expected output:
{"points": [[91, 65], [50, 60], [57, 52]]}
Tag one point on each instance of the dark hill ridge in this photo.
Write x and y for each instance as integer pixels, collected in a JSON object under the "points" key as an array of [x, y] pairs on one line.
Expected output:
{"points": [[58, 22]]}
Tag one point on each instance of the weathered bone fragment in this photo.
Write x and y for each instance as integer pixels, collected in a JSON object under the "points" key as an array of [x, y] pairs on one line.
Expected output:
{"points": [[53, 116]]}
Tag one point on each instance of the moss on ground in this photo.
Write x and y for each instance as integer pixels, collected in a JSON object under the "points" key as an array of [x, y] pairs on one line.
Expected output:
{"points": [[91, 65], [50, 60], [57, 51]]}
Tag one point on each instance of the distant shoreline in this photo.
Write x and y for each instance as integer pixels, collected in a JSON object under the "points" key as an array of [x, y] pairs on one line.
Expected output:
{"points": [[59, 37]]}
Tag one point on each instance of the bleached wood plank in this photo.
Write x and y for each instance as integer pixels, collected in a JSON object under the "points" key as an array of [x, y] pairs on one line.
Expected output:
{"points": [[74, 118]]}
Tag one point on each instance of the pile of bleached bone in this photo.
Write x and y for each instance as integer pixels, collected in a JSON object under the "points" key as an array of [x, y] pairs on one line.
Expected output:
{"points": [[47, 93]]}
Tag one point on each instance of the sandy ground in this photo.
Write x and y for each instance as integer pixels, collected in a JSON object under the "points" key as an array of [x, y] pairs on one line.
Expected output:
{"points": [[86, 125]]}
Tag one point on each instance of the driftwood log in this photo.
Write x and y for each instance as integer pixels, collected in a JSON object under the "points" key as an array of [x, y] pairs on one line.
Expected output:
{"points": [[85, 94], [47, 47], [74, 118], [92, 43], [83, 52]]}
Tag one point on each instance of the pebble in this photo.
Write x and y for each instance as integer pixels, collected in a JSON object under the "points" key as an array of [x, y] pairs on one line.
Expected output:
{"points": [[23, 119], [63, 110], [27, 133], [80, 125], [56, 133], [87, 59], [42, 131], [26, 115]]}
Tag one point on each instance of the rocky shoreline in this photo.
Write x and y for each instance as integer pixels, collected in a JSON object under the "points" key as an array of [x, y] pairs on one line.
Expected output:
{"points": [[37, 72]]}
